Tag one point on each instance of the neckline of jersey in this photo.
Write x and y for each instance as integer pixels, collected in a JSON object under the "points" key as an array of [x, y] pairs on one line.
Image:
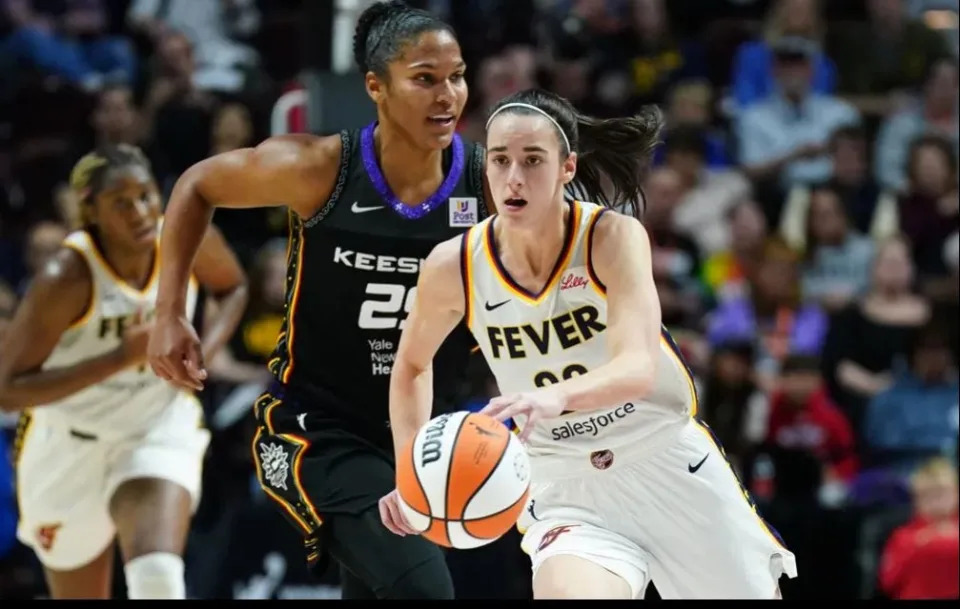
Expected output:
{"points": [[573, 220], [410, 212]]}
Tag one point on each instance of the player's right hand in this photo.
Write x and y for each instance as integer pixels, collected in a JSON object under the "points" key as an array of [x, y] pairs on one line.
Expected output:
{"points": [[174, 352], [393, 517]]}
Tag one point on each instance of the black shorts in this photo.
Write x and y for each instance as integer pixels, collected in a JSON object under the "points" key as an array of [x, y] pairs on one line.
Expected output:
{"points": [[327, 476]]}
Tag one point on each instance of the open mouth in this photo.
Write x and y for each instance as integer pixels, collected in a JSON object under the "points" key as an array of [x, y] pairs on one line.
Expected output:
{"points": [[442, 120], [515, 203]]}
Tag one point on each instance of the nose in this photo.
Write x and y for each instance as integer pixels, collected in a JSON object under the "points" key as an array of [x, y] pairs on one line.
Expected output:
{"points": [[515, 178], [445, 94]]}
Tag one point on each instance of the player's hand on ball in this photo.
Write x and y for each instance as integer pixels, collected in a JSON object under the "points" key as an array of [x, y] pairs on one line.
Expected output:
{"points": [[174, 352], [392, 516], [535, 405]]}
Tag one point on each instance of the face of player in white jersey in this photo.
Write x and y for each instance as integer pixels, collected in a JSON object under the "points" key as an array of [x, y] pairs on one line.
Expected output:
{"points": [[127, 208], [527, 167]]}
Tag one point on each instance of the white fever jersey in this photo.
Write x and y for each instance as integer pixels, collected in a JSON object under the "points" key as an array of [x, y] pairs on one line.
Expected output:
{"points": [[132, 400], [533, 340]]}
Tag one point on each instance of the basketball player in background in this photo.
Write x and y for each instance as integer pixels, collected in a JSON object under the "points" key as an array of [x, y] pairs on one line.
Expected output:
{"points": [[560, 297], [366, 207], [106, 449]]}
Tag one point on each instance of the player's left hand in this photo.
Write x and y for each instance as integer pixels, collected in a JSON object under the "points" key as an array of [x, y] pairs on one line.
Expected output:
{"points": [[535, 405]]}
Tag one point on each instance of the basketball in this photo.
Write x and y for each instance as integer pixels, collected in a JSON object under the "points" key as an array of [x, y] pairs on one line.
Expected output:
{"points": [[463, 480]]}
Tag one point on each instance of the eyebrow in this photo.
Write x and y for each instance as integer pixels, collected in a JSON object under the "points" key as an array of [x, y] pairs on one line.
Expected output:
{"points": [[525, 149], [433, 66]]}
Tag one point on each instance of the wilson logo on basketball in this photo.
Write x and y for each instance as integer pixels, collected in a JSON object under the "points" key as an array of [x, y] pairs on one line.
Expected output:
{"points": [[46, 535], [431, 443], [573, 281], [551, 536]]}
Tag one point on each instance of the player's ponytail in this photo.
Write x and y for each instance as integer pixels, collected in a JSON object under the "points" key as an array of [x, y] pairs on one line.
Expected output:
{"points": [[615, 151], [384, 28]]}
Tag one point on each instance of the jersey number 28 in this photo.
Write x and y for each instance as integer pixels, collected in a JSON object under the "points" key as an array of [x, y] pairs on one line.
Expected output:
{"points": [[382, 309]]}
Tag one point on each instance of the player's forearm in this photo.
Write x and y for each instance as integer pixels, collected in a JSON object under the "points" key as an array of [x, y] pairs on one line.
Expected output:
{"points": [[230, 310], [43, 387], [411, 399], [185, 222], [622, 379]]}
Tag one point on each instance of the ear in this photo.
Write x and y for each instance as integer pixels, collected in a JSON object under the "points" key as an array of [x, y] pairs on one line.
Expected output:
{"points": [[569, 168], [375, 88]]}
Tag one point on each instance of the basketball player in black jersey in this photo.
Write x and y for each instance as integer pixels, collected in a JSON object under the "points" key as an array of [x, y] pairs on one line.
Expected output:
{"points": [[366, 207]]}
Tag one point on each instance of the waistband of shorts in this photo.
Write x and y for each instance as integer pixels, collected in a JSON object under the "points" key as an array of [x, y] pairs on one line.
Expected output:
{"points": [[557, 466]]}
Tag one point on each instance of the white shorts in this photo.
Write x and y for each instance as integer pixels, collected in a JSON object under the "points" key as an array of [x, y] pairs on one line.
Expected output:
{"points": [[65, 480], [659, 516]]}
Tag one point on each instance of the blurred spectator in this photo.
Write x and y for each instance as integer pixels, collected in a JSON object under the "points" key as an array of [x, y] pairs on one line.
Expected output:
{"points": [[115, 119], [43, 241], [69, 39], [935, 114], [754, 78], [499, 76], [675, 256], [880, 61], [915, 418], [921, 559], [708, 195], [8, 506], [866, 339], [733, 405], [837, 258], [772, 315], [869, 210], [928, 211], [725, 274], [215, 30], [785, 136], [690, 104], [806, 428]]}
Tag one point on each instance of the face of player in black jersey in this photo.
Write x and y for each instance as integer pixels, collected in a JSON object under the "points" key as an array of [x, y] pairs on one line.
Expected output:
{"points": [[524, 167], [127, 208], [425, 91]]}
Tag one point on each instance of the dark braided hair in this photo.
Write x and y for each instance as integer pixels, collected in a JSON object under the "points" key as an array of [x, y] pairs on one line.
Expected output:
{"points": [[88, 175], [384, 29], [616, 148]]}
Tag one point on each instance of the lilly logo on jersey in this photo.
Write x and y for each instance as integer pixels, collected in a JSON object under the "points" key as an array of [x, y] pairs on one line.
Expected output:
{"points": [[572, 281], [463, 211], [566, 330]]}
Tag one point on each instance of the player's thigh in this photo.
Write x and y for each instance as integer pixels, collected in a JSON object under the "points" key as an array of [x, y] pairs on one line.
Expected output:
{"points": [[568, 576], [154, 482], [392, 566], [573, 555], [93, 580], [705, 538], [60, 480]]}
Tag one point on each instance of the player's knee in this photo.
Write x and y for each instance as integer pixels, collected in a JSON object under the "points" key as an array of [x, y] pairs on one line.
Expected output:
{"points": [[157, 575], [428, 580]]}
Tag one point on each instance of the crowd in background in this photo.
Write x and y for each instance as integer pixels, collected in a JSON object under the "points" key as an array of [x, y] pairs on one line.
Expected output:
{"points": [[803, 214]]}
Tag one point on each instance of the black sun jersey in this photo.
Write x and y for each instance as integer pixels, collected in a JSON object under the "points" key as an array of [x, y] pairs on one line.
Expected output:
{"points": [[352, 273]]}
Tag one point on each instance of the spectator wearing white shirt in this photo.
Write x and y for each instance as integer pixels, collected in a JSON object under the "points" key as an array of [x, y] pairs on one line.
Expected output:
{"points": [[786, 135]]}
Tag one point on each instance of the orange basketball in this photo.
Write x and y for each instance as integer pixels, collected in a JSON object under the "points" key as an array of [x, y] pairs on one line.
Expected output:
{"points": [[463, 480]]}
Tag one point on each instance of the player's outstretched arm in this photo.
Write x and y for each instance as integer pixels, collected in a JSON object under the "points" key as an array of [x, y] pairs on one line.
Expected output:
{"points": [[437, 309], [298, 171], [622, 261], [58, 297]]}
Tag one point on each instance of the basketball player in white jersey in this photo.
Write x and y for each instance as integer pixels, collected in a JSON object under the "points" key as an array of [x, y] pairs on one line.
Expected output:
{"points": [[627, 485], [106, 448]]}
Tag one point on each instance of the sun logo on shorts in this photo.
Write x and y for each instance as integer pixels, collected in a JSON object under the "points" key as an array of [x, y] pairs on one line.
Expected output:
{"points": [[551, 536], [273, 463], [47, 534]]}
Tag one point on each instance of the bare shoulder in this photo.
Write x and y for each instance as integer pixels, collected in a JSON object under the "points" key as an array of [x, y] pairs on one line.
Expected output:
{"points": [[444, 260], [62, 287], [298, 170], [615, 232]]}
